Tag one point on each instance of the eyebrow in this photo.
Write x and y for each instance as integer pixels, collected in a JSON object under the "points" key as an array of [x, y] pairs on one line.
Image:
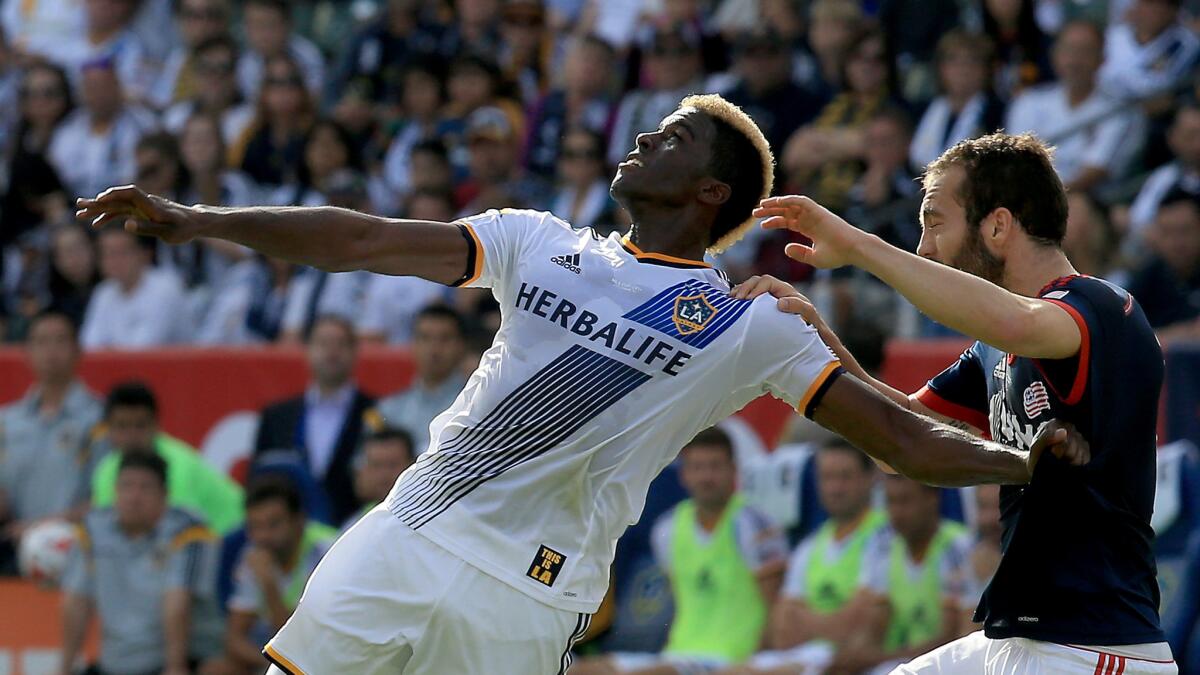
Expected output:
{"points": [[687, 127]]}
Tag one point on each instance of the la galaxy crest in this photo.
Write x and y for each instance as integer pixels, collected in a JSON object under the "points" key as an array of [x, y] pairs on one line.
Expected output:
{"points": [[693, 313]]}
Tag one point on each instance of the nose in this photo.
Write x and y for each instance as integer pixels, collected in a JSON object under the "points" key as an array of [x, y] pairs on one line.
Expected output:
{"points": [[645, 142], [926, 247]]}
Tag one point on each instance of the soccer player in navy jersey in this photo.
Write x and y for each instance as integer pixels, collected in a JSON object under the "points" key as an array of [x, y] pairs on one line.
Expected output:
{"points": [[1076, 589]]}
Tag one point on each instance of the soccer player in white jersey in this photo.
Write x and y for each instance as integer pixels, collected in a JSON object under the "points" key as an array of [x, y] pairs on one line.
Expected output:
{"points": [[493, 549]]}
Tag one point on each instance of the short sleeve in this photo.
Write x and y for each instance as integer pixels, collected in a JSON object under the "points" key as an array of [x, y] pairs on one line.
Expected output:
{"points": [[787, 356], [1068, 377], [246, 596], [660, 540], [496, 240], [960, 391], [760, 540], [795, 582], [187, 561]]}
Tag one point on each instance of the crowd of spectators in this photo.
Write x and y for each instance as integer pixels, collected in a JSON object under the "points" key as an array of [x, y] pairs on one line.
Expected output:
{"points": [[434, 109]]}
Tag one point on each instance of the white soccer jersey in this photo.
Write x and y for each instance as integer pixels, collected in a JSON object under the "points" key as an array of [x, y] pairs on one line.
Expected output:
{"points": [[608, 360]]}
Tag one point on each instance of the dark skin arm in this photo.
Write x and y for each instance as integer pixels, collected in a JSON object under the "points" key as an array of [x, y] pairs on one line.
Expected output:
{"points": [[931, 452], [331, 239]]}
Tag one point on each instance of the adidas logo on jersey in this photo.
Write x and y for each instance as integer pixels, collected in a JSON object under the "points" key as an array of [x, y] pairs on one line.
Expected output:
{"points": [[568, 262]]}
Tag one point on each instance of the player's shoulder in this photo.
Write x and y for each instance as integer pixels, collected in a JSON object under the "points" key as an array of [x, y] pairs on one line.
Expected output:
{"points": [[1100, 295]]}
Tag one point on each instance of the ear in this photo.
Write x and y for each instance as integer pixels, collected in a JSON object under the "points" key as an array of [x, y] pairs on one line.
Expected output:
{"points": [[714, 193], [999, 228]]}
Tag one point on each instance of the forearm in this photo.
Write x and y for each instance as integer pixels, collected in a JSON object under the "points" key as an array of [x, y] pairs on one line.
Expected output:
{"points": [[277, 611], [176, 625], [853, 367], [76, 613], [238, 644]]}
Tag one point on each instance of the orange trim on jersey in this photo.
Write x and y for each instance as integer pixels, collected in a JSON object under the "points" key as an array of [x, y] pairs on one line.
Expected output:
{"points": [[192, 534], [281, 661], [816, 385], [640, 254], [932, 400], [1085, 344], [478, 272]]}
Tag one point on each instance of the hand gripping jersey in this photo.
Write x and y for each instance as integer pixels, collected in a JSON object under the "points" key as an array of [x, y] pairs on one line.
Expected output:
{"points": [[1077, 563], [608, 360]]}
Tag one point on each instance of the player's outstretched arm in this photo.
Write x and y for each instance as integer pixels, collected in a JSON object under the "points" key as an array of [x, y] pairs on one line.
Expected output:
{"points": [[929, 451], [327, 238], [968, 304]]}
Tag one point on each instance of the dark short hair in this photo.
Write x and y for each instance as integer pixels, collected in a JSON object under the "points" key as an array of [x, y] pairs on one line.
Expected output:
{"points": [[132, 394], [281, 6], [336, 319], [897, 115], [443, 313], [433, 147], [712, 437], [1015, 172], [273, 487], [1179, 196], [840, 444], [51, 314], [145, 461], [388, 434], [217, 42], [736, 162]]}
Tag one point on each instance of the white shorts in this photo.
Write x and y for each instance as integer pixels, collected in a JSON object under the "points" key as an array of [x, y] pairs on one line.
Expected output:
{"points": [[387, 600], [976, 653]]}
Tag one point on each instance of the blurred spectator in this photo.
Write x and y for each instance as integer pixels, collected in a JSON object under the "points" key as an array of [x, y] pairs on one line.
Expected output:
{"points": [[378, 55], [1094, 137], [475, 28], [283, 548], [1183, 173], [525, 48], [45, 435], [328, 149], [248, 303], [1150, 53], [919, 591], [439, 341], [216, 92], [985, 554], [93, 147], [131, 426], [271, 149], [199, 22], [146, 570], [582, 197], [965, 107], [269, 36], [822, 159], [475, 82], [829, 565], [137, 305], [885, 199], [325, 423], [422, 97], [208, 180], [672, 71], [385, 455], [1168, 285], [496, 179], [74, 273], [832, 30], [1022, 48], [108, 35], [914, 30], [765, 89], [583, 98], [45, 100], [38, 28], [725, 561], [1090, 242]]}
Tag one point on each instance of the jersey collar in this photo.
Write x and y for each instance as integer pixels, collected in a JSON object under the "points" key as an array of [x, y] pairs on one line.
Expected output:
{"points": [[660, 258]]}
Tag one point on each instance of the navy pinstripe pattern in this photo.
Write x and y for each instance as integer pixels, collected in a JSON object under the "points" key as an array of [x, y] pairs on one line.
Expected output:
{"points": [[536, 417], [659, 312]]}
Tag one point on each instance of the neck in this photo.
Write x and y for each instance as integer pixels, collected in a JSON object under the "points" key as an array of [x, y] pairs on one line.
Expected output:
{"points": [[959, 101], [1079, 92], [128, 285], [327, 389], [918, 543], [101, 121], [136, 530], [53, 393], [101, 35], [708, 515], [656, 230], [1028, 272], [844, 526]]}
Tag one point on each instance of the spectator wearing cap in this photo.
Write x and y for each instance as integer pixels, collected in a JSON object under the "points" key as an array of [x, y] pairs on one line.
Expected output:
{"points": [[495, 179], [136, 306], [965, 107], [1094, 136], [323, 425], [1150, 53], [672, 71], [1182, 173], [147, 571], [1167, 286], [93, 147], [582, 97], [198, 21], [271, 149], [131, 427], [765, 89], [582, 197], [269, 35], [44, 436], [216, 91]]}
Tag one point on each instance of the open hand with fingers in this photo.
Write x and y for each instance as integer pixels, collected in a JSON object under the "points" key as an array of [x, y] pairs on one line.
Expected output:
{"points": [[834, 241], [791, 300], [141, 213]]}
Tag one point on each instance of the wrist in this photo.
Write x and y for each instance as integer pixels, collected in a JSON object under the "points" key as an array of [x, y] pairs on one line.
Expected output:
{"points": [[862, 250]]}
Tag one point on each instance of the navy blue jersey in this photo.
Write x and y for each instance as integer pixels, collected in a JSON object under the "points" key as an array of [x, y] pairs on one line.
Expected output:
{"points": [[1077, 563]]}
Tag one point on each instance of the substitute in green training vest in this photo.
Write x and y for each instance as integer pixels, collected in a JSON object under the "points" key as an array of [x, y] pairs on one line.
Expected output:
{"points": [[824, 573], [283, 548], [725, 561], [130, 425], [920, 591]]}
